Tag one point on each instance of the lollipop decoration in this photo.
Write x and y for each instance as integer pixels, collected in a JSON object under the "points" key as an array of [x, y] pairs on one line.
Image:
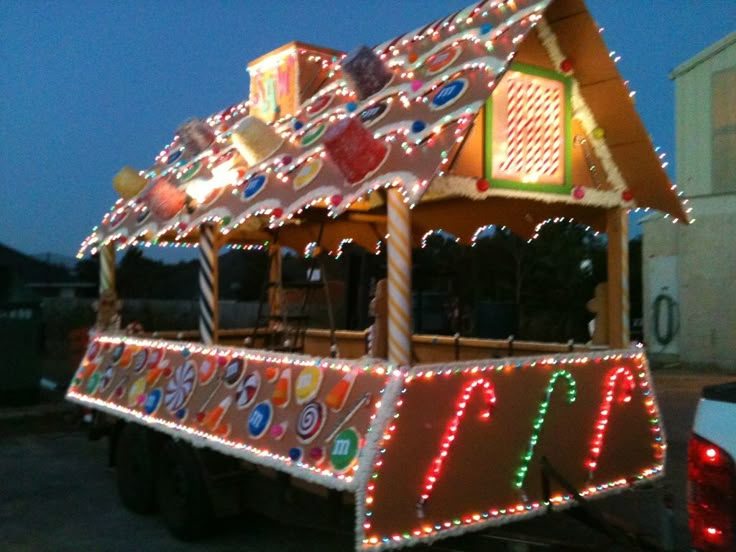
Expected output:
{"points": [[180, 386]]}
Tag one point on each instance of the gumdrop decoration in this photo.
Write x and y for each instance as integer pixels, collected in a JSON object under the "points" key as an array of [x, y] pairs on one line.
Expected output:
{"points": [[196, 136], [353, 149], [365, 72]]}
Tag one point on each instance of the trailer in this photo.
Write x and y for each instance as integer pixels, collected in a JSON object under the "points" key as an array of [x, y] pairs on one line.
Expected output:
{"points": [[507, 113]]}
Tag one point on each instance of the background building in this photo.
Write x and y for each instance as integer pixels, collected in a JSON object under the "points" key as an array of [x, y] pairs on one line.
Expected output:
{"points": [[689, 271]]}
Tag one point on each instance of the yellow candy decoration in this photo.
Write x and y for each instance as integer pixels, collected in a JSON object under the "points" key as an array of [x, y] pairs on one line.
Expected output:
{"points": [[128, 183]]}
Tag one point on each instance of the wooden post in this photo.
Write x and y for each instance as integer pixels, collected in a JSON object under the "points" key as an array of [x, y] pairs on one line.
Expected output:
{"points": [[274, 278], [209, 316], [617, 228], [399, 279]]}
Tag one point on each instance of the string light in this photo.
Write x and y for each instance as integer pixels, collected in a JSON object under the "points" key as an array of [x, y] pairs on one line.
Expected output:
{"points": [[539, 421]]}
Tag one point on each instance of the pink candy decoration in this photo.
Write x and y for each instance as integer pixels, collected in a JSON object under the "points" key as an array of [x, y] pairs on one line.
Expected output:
{"points": [[416, 84], [578, 192]]}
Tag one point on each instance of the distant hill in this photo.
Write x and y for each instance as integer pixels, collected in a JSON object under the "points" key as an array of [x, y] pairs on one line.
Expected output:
{"points": [[67, 262], [32, 270]]}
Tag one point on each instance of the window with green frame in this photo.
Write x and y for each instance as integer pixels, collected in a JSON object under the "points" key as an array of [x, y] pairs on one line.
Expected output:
{"points": [[528, 140]]}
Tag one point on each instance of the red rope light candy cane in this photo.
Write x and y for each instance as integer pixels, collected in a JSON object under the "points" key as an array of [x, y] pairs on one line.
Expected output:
{"points": [[433, 472], [628, 384]]}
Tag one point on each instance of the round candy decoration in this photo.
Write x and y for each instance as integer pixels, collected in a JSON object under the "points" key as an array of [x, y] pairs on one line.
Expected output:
{"points": [[247, 390], [139, 360], [206, 370], [106, 378], [307, 384], [313, 135], [344, 450], [442, 59], [254, 186], [180, 387], [153, 401], [120, 389], [117, 352], [310, 421], [374, 113], [137, 391], [296, 453], [117, 218], [233, 372], [319, 105], [92, 383], [307, 173], [260, 419], [174, 157], [279, 430], [448, 94], [93, 350], [142, 215]]}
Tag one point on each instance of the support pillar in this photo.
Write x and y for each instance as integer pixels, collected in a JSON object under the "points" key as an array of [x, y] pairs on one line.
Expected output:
{"points": [[107, 268], [209, 319], [399, 279], [617, 228]]}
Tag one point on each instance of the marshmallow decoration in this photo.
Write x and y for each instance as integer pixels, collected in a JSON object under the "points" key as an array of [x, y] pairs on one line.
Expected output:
{"points": [[164, 199], [128, 183], [255, 140], [353, 149], [365, 72], [196, 136]]}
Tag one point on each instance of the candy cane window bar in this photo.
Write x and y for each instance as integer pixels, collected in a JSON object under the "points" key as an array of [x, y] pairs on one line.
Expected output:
{"points": [[508, 113]]}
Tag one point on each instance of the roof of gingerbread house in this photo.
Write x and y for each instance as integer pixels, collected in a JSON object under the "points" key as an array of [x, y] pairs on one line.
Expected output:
{"points": [[421, 132]]}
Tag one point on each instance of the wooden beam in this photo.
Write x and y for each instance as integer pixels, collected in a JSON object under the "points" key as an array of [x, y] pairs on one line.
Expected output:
{"points": [[617, 227]]}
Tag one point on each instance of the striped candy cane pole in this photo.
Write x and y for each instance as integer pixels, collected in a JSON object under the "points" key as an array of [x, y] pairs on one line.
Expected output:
{"points": [[107, 267], [618, 277], [399, 279], [208, 315]]}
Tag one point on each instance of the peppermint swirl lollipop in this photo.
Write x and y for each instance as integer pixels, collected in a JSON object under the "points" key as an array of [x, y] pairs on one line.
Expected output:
{"points": [[180, 386], [310, 421]]}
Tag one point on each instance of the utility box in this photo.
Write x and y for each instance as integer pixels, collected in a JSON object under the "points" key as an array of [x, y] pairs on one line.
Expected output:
{"points": [[21, 343]]}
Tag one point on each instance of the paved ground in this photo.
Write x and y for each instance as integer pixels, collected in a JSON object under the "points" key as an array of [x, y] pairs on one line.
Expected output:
{"points": [[57, 494]]}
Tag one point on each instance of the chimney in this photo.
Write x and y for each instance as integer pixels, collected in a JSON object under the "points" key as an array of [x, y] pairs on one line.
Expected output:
{"points": [[283, 79]]}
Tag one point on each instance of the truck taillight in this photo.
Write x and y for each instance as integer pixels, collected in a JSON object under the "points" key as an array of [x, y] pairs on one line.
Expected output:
{"points": [[711, 475]]}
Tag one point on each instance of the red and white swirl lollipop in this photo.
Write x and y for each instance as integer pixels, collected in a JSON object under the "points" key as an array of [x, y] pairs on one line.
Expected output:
{"points": [[180, 387], [310, 421]]}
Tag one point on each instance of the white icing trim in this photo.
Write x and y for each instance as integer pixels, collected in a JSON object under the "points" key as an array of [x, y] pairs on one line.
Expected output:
{"points": [[581, 111], [456, 185], [370, 451]]}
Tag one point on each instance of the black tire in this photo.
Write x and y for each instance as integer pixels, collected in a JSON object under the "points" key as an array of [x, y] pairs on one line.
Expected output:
{"points": [[181, 491], [135, 469]]}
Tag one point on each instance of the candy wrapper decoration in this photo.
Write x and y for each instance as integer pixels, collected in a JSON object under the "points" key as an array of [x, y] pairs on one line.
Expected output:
{"points": [[164, 199], [196, 136], [365, 72], [128, 183], [353, 149], [255, 140]]}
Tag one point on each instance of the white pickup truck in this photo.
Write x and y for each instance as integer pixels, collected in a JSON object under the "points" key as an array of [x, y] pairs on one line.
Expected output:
{"points": [[712, 471]]}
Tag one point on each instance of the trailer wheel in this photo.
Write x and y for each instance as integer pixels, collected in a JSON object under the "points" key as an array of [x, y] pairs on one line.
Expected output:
{"points": [[135, 469], [183, 499]]}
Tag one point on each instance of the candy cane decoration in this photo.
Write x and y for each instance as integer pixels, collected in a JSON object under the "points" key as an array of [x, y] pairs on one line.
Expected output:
{"points": [[433, 472], [107, 267], [571, 394], [628, 384], [207, 284], [399, 279]]}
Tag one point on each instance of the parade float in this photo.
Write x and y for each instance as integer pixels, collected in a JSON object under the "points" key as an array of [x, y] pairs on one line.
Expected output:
{"points": [[506, 113]]}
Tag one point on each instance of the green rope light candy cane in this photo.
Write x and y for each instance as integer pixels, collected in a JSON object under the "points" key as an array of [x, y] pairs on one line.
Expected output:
{"points": [[539, 421]]}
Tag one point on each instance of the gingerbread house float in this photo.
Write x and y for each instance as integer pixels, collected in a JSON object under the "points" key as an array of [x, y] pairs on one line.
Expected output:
{"points": [[509, 113]]}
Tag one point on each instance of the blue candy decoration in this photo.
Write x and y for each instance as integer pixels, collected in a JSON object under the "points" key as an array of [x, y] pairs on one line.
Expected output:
{"points": [[295, 453], [181, 413], [351, 106], [486, 28], [152, 401], [260, 419], [185, 352], [298, 124], [418, 126], [254, 186]]}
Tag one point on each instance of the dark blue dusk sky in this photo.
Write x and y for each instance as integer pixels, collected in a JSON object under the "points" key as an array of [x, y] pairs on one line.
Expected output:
{"points": [[90, 86]]}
